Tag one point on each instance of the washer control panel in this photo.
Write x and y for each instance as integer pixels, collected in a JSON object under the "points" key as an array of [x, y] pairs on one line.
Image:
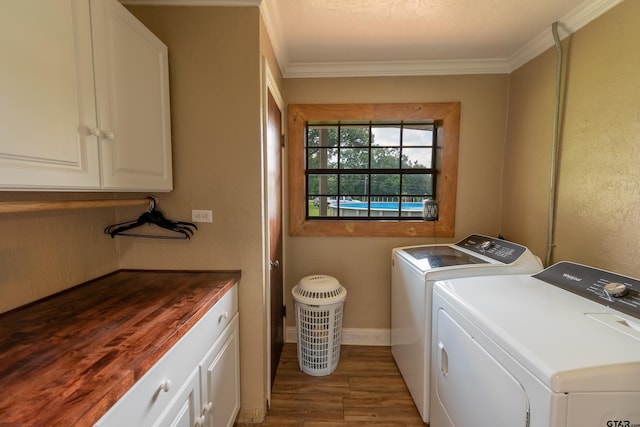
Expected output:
{"points": [[498, 249], [613, 290]]}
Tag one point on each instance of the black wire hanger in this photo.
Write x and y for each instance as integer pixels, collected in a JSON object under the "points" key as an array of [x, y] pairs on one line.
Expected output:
{"points": [[152, 216]]}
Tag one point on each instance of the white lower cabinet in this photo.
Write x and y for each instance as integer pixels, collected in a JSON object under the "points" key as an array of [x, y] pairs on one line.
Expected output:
{"points": [[184, 409], [195, 384], [220, 380]]}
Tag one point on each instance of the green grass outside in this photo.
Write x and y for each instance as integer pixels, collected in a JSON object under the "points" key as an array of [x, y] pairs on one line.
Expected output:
{"points": [[313, 209]]}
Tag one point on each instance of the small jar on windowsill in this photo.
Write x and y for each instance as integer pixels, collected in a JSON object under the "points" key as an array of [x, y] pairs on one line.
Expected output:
{"points": [[429, 209]]}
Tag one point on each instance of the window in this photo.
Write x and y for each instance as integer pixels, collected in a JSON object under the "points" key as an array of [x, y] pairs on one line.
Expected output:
{"points": [[364, 169], [367, 170]]}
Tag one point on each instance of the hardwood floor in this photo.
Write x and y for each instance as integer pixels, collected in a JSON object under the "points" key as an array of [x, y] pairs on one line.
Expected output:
{"points": [[365, 390]]}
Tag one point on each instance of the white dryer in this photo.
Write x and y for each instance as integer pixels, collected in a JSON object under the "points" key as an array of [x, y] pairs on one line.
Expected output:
{"points": [[560, 348], [414, 270]]}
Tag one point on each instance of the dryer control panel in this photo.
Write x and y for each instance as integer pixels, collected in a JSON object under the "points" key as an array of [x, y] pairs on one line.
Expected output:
{"points": [[498, 249], [613, 290]]}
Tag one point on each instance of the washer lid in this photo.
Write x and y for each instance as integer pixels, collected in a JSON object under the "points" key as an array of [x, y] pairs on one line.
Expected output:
{"points": [[435, 256], [568, 342], [474, 251]]}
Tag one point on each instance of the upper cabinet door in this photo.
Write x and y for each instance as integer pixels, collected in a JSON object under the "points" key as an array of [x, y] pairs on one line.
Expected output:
{"points": [[132, 92], [47, 103]]}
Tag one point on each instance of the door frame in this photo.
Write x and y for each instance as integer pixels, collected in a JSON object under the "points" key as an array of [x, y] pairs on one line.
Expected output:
{"points": [[269, 85]]}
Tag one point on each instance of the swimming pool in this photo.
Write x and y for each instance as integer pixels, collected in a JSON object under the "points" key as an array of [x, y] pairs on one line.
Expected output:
{"points": [[377, 209]]}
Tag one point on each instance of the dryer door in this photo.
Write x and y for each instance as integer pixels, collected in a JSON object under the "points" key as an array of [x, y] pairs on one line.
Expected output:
{"points": [[471, 388]]}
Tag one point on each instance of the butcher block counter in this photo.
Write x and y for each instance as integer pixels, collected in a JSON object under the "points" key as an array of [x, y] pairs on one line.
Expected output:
{"points": [[66, 359]]}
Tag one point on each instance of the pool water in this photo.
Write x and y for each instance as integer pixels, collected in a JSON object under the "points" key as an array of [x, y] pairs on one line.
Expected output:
{"points": [[406, 206]]}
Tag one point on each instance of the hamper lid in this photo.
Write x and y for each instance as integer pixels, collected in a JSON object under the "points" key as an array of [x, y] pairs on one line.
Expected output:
{"points": [[318, 289]]}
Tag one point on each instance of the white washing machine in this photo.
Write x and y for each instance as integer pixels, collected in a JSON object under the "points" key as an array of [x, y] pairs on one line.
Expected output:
{"points": [[414, 270], [560, 348]]}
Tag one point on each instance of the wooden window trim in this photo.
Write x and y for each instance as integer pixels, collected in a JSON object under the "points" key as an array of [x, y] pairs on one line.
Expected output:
{"points": [[300, 114]]}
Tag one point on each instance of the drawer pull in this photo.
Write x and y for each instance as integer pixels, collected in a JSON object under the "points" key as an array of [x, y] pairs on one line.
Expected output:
{"points": [[165, 386], [223, 316]]}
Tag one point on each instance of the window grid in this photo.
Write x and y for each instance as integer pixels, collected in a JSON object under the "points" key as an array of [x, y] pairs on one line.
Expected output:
{"points": [[342, 198]]}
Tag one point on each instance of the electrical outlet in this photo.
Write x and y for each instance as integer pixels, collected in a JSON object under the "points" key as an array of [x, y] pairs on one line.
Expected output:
{"points": [[199, 215]]}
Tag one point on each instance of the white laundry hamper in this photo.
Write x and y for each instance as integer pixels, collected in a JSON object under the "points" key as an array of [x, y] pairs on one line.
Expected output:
{"points": [[319, 302]]}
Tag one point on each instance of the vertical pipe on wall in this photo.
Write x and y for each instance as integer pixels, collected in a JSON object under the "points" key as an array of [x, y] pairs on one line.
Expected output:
{"points": [[555, 147]]}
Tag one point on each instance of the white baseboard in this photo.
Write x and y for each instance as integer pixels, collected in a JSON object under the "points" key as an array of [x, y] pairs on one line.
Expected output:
{"points": [[352, 336]]}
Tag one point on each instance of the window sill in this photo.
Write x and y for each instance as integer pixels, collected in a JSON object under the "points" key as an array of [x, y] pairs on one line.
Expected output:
{"points": [[377, 228]]}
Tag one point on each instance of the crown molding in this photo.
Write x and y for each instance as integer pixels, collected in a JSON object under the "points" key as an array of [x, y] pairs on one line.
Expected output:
{"points": [[272, 23], [235, 3], [572, 22], [396, 68]]}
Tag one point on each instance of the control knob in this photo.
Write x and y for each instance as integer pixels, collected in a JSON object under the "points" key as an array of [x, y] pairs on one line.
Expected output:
{"points": [[615, 290], [486, 245]]}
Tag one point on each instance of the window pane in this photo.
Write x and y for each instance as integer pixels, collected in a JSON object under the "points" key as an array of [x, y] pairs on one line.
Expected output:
{"points": [[354, 158], [354, 184], [417, 185], [320, 206], [417, 158], [322, 136], [387, 136], [385, 158], [322, 158], [354, 136], [385, 184], [325, 185], [411, 207], [417, 135]]}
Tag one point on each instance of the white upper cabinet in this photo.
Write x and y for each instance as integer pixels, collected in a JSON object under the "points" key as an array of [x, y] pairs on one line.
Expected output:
{"points": [[47, 100], [132, 92], [84, 98]]}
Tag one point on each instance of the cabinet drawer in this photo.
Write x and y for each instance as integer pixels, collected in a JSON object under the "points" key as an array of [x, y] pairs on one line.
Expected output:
{"points": [[220, 316], [162, 385]]}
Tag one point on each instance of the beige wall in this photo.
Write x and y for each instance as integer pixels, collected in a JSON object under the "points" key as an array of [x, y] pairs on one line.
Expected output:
{"points": [[363, 264], [45, 252], [214, 57], [598, 216]]}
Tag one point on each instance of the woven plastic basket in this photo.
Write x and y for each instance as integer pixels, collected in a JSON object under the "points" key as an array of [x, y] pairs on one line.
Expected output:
{"points": [[319, 302]]}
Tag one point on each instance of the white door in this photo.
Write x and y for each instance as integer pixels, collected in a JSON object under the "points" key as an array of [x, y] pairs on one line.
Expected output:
{"points": [[47, 104], [132, 90], [471, 388]]}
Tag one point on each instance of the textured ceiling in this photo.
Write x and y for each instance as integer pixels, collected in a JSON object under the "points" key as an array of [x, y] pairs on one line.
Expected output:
{"points": [[400, 37]]}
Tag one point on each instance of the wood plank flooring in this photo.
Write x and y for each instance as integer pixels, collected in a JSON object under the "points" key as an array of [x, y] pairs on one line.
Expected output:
{"points": [[365, 390]]}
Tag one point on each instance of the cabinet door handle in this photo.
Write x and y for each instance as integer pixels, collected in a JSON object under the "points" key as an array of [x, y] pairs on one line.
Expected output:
{"points": [[207, 408], [165, 386], [107, 134], [200, 421]]}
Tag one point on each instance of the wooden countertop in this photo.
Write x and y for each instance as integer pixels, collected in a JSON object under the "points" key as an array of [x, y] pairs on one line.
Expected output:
{"points": [[68, 358]]}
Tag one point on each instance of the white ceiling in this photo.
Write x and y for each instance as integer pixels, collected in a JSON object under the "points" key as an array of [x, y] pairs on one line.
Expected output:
{"points": [[314, 38]]}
